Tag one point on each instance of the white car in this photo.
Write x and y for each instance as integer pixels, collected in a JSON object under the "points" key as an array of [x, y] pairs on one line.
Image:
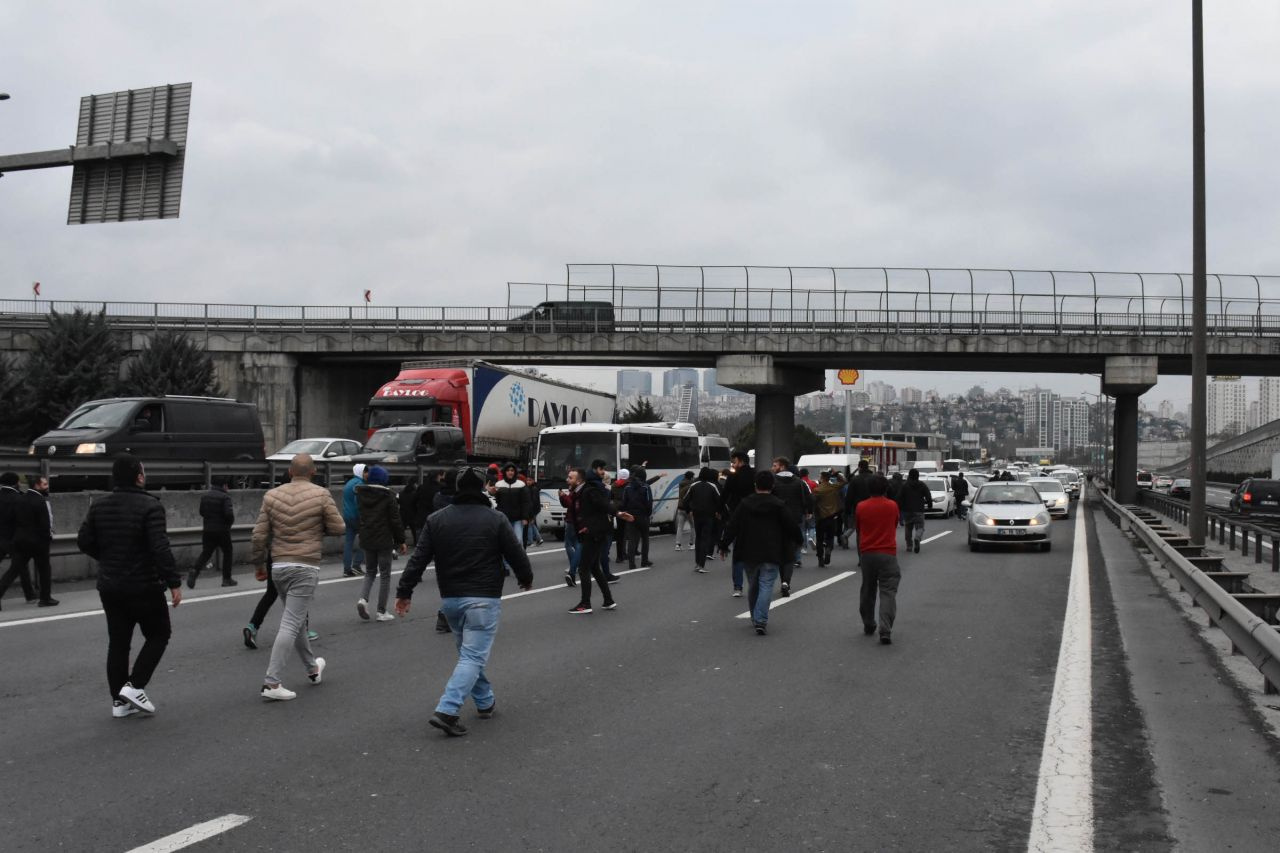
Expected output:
{"points": [[944, 501], [1008, 513], [322, 450], [1070, 480], [1054, 495]]}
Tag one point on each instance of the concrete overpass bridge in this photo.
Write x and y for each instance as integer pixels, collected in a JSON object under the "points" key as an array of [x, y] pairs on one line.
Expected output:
{"points": [[311, 368]]}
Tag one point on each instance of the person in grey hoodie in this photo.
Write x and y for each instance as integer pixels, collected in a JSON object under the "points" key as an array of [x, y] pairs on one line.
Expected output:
{"points": [[381, 532]]}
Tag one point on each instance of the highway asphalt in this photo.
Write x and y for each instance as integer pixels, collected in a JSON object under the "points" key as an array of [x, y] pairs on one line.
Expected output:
{"points": [[665, 725]]}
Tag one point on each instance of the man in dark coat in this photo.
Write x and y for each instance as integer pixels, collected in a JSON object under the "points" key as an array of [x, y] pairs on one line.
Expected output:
{"points": [[764, 537], [11, 505], [637, 501], [216, 517], [595, 518], [705, 503], [125, 532], [741, 481], [914, 499], [795, 494], [34, 538]]}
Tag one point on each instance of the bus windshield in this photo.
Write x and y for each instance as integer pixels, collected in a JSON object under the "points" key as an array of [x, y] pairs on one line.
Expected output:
{"points": [[558, 452]]}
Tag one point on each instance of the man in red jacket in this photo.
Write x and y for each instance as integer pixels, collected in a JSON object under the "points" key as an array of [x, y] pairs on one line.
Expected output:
{"points": [[877, 525]]}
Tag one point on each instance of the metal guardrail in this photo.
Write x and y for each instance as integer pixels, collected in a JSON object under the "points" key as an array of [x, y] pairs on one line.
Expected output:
{"points": [[243, 474], [64, 544], [1219, 526], [1256, 639]]}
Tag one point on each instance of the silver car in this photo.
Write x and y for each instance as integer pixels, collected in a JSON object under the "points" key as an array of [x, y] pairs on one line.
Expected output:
{"points": [[1054, 495], [1008, 513]]}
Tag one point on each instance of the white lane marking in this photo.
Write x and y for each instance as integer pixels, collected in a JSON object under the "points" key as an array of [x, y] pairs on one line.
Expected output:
{"points": [[1063, 816], [525, 592], [935, 536], [194, 834], [801, 593]]}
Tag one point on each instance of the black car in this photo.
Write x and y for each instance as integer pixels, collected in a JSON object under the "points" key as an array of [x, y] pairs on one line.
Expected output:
{"points": [[1181, 488], [1261, 496], [565, 317], [424, 444]]}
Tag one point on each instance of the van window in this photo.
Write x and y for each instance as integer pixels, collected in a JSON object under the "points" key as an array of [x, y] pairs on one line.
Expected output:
{"points": [[100, 415]]}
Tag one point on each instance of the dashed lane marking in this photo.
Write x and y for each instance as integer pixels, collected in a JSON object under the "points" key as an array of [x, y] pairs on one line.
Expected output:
{"points": [[801, 593], [1063, 815], [194, 834], [935, 536]]}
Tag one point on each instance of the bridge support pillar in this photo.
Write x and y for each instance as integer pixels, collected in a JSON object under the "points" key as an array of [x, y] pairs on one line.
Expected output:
{"points": [[1127, 377], [775, 387]]}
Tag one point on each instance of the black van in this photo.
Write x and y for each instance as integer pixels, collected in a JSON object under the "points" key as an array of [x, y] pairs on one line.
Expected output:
{"points": [[156, 429], [566, 317]]}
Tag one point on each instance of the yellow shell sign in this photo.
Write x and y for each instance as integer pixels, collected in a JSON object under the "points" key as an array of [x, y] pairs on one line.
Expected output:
{"points": [[848, 376]]}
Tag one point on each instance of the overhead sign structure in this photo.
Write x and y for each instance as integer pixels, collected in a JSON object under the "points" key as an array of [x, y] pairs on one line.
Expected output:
{"points": [[128, 157], [848, 376]]}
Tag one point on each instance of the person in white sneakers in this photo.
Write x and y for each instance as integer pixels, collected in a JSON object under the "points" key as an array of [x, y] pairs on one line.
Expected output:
{"points": [[291, 527], [381, 532], [125, 532]]}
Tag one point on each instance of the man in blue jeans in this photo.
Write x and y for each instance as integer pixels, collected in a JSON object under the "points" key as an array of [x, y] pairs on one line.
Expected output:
{"points": [[468, 541], [352, 556], [764, 536]]}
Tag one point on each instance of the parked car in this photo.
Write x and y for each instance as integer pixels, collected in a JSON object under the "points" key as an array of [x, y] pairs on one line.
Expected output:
{"points": [[1256, 496], [1008, 513], [944, 501], [154, 429], [565, 316], [1054, 495], [1180, 488]]}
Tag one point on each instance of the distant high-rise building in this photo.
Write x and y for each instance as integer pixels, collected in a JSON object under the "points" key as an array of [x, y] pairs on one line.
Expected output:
{"points": [[1226, 405], [634, 382], [1071, 423], [912, 395], [881, 393], [672, 379], [1268, 399], [1251, 418], [1165, 410]]}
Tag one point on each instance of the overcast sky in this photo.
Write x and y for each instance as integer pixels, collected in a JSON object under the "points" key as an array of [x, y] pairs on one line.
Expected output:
{"points": [[433, 152]]}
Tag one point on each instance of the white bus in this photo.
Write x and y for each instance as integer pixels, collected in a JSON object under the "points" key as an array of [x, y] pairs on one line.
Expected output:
{"points": [[666, 451]]}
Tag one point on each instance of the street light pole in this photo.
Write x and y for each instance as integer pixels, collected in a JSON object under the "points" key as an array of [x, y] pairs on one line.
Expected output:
{"points": [[1199, 287]]}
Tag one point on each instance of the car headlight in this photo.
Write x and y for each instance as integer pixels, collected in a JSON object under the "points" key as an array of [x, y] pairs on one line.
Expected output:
{"points": [[1041, 518], [31, 451], [391, 459], [91, 448], [981, 518]]}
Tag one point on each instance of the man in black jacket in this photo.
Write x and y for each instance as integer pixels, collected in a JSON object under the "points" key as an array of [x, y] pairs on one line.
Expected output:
{"points": [[11, 510], [913, 499], [741, 481], [795, 494], [637, 501], [595, 519], [125, 532], [216, 517], [34, 537], [857, 491], [468, 541], [704, 502], [764, 537]]}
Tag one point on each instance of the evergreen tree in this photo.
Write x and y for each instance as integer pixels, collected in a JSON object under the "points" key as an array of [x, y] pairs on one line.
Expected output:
{"points": [[11, 430], [74, 359], [171, 364], [641, 411]]}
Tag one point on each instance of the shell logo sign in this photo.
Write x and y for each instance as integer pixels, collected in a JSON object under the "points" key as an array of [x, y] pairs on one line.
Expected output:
{"points": [[848, 376]]}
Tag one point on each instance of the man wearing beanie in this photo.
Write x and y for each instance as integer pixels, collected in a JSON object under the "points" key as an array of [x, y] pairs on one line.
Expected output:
{"points": [[291, 527], [125, 533], [468, 540], [352, 557], [381, 531]]}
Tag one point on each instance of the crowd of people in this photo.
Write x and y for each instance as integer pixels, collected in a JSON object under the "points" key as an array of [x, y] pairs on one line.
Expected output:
{"points": [[475, 526]]}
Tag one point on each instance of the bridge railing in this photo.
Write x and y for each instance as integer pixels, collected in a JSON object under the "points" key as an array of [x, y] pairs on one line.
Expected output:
{"points": [[745, 319]]}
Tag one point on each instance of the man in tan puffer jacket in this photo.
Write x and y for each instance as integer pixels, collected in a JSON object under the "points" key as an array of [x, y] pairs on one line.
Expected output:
{"points": [[291, 527]]}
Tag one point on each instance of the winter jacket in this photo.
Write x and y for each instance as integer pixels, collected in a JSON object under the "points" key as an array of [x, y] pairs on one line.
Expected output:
{"points": [[741, 483], [216, 511], [826, 499], [10, 512], [35, 523], [960, 486], [468, 541], [350, 509], [704, 499], [381, 527], [858, 490], [682, 490], [513, 500], [595, 508], [794, 493], [125, 532], [294, 520], [637, 499], [761, 530], [423, 504], [569, 500], [914, 496]]}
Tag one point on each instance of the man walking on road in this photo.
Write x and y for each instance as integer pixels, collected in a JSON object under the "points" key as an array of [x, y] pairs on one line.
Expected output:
{"points": [[799, 502], [291, 527], [468, 541], [11, 512], [216, 515], [381, 534], [826, 506], [34, 539], [704, 502], [877, 520], [352, 556], [763, 538], [595, 512], [125, 533], [913, 499]]}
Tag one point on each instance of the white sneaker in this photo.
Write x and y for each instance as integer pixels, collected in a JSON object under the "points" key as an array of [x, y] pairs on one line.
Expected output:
{"points": [[278, 693], [362, 607], [137, 698], [737, 593], [384, 616], [121, 708], [677, 546], [315, 677]]}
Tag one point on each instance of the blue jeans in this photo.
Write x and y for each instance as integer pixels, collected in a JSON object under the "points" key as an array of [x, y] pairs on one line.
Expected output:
{"points": [[762, 577], [739, 570], [474, 621], [573, 548], [349, 549]]}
